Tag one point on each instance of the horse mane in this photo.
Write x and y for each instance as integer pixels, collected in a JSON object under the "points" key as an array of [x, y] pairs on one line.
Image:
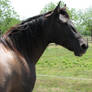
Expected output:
{"points": [[34, 17], [31, 19]]}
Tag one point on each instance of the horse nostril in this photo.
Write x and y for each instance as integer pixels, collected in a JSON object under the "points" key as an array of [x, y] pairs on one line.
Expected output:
{"points": [[84, 46]]}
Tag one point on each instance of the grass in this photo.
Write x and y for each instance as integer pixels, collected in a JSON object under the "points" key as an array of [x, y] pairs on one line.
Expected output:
{"points": [[59, 61], [62, 85]]}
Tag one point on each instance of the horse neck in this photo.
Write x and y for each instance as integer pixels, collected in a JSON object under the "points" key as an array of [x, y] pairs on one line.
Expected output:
{"points": [[37, 51], [31, 49]]}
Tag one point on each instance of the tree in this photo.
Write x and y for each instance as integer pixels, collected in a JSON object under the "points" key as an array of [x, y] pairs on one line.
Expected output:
{"points": [[87, 20], [50, 7], [8, 17]]}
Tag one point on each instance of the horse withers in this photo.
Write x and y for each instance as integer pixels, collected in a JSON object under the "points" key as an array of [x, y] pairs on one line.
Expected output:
{"points": [[22, 46]]}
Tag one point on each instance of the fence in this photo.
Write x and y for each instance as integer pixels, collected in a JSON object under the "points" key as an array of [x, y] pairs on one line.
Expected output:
{"points": [[89, 38]]}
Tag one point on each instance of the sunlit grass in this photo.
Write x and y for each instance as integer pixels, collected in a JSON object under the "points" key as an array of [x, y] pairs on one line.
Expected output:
{"points": [[59, 61], [46, 84]]}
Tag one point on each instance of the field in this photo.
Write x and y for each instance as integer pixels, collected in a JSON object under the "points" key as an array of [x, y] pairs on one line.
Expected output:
{"points": [[58, 70]]}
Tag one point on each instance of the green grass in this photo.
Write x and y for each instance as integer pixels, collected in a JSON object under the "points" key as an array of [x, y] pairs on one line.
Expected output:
{"points": [[59, 61], [45, 84]]}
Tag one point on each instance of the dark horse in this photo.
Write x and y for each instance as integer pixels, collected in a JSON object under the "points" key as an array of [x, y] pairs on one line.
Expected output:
{"points": [[23, 45]]}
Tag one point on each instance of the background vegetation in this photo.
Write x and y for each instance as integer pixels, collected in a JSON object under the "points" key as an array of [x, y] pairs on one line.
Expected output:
{"points": [[8, 17]]}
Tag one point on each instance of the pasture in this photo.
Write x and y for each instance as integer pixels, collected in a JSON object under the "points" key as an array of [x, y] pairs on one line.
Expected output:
{"points": [[58, 70]]}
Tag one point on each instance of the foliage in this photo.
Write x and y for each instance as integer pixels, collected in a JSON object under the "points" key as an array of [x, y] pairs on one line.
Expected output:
{"points": [[50, 7], [8, 17], [87, 19]]}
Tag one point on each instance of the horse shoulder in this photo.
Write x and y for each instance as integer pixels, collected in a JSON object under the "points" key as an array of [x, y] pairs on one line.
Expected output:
{"points": [[11, 68]]}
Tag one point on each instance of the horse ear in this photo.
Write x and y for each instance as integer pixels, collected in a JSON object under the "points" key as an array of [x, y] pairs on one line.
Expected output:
{"points": [[56, 10], [64, 7]]}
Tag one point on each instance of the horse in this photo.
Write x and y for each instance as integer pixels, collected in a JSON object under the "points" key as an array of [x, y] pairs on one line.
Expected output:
{"points": [[22, 46]]}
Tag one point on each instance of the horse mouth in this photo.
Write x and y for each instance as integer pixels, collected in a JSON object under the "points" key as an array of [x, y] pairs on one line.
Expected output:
{"points": [[80, 50], [79, 53]]}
